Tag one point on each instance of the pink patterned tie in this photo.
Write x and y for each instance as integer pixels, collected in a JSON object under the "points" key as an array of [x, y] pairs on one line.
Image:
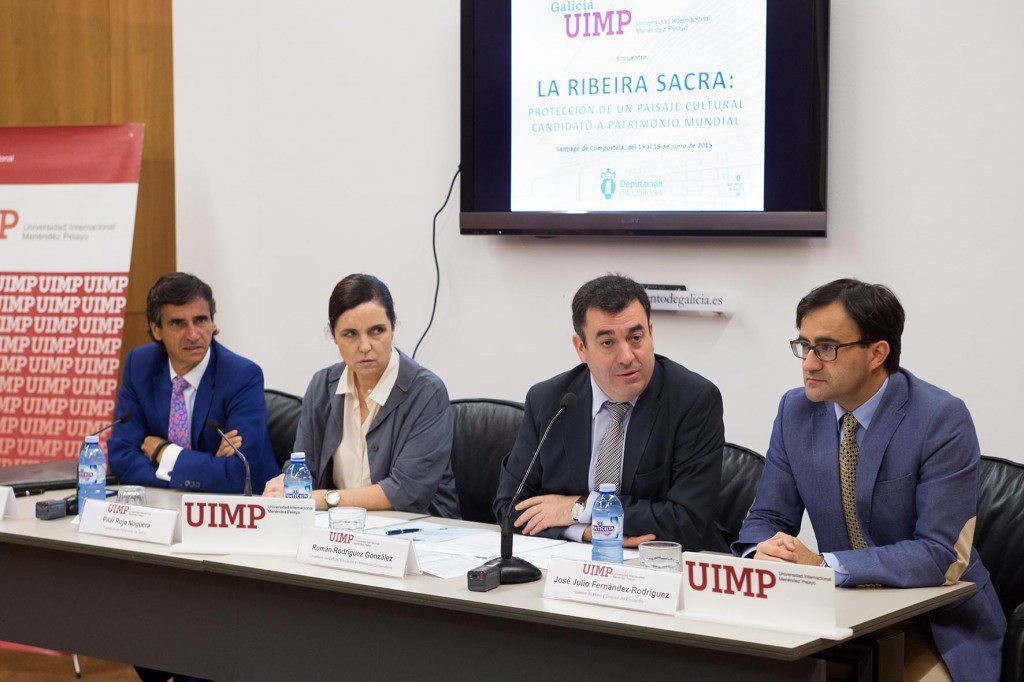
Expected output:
{"points": [[178, 428]]}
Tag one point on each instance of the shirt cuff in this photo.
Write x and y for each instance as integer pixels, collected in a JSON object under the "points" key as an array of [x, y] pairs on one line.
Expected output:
{"points": [[832, 562], [574, 533], [588, 511], [167, 460], [749, 552]]}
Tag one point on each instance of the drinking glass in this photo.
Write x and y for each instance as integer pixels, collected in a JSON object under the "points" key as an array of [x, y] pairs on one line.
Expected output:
{"points": [[661, 555], [352, 519], [134, 495]]}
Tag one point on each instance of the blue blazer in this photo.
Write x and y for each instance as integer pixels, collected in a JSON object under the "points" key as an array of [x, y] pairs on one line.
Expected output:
{"points": [[916, 497], [671, 465], [231, 392]]}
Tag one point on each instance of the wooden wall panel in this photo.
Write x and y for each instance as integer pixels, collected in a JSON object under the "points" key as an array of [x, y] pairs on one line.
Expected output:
{"points": [[80, 62], [141, 78], [54, 62]]}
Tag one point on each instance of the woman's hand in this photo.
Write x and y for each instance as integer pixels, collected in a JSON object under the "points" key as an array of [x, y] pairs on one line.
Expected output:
{"points": [[275, 487]]}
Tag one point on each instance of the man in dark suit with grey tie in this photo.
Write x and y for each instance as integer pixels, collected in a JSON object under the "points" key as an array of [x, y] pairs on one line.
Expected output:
{"points": [[643, 422]]}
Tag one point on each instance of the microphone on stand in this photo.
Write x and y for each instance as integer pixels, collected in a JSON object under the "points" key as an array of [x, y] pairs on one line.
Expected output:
{"points": [[120, 420], [216, 426], [510, 569]]}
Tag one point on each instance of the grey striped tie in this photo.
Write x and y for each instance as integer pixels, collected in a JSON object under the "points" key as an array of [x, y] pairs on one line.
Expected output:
{"points": [[609, 456]]}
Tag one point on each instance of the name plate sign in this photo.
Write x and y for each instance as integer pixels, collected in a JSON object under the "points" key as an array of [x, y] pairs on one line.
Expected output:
{"points": [[624, 587], [223, 524], [763, 594], [6, 499], [9, 507], [360, 552], [130, 522]]}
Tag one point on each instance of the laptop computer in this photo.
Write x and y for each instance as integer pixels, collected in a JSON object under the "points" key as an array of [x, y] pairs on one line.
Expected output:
{"points": [[44, 476]]}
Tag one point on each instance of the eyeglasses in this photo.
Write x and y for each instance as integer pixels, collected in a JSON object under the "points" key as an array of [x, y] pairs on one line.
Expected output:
{"points": [[826, 352]]}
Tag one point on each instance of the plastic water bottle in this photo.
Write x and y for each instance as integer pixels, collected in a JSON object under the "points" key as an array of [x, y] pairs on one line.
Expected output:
{"points": [[298, 482], [92, 472], [606, 526], [288, 463]]}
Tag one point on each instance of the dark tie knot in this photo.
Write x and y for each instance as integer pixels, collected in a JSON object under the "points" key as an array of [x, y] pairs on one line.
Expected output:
{"points": [[618, 410]]}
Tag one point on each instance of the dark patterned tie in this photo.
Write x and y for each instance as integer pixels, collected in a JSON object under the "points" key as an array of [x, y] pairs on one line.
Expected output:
{"points": [[848, 454], [609, 456]]}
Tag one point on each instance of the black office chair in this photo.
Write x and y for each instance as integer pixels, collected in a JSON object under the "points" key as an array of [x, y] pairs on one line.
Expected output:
{"points": [[485, 431], [741, 471], [999, 537], [283, 410]]}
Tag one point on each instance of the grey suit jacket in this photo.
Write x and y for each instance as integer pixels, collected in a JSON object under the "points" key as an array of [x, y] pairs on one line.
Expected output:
{"points": [[408, 445]]}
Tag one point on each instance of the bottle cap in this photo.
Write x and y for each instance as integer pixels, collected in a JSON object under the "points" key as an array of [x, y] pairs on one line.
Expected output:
{"points": [[92, 439], [298, 456], [607, 488]]}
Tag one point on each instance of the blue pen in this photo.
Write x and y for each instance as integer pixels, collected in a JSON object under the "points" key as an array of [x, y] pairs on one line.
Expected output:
{"points": [[401, 531]]}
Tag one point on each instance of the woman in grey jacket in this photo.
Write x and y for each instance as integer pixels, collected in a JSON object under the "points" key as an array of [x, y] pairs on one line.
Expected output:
{"points": [[377, 427]]}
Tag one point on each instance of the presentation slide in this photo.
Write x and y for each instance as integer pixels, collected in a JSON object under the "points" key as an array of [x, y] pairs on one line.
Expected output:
{"points": [[655, 105]]}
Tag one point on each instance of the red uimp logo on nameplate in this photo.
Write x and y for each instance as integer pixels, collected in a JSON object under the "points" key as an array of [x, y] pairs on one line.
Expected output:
{"points": [[360, 552], [223, 524], [128, 521], [764, 594], [624, 587]]}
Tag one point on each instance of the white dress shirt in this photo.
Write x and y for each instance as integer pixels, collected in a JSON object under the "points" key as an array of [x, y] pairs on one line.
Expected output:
{"points": [[601, 420], [171, 452], [351, 464]]}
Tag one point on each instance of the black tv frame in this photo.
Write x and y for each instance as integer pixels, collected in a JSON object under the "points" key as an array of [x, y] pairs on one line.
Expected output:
{"points": [[812, 223]]}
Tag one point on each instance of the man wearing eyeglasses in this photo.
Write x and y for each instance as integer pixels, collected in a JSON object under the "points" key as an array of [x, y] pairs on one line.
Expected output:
{"points": [[886, 466]]}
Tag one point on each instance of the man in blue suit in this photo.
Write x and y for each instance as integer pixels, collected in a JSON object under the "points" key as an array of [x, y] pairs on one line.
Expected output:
{"points": [[886, 466], [175, 386]]}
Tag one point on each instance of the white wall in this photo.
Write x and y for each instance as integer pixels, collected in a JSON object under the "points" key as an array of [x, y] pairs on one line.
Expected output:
{"points": [[315, 139]]}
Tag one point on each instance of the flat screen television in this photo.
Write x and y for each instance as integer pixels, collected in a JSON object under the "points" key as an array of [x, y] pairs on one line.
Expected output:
{"points": [[644, 117]]}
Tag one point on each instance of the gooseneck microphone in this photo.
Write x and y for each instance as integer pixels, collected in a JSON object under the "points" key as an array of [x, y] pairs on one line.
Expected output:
{"points": [[512, 569], [120, 420], [216, 426]]}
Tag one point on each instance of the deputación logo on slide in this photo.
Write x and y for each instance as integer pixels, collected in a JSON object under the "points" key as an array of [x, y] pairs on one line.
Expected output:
{"points": [[608, 183]]}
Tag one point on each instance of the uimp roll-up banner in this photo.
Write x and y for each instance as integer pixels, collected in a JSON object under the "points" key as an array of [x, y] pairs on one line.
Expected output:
{"points": [[67, 216]]}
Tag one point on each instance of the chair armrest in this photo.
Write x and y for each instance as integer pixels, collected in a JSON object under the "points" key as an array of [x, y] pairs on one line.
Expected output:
{"points": [[1013, 647]]}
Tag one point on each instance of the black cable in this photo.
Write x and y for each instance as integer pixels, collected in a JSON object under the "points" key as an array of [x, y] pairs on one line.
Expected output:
{"points": [[437, 266]]}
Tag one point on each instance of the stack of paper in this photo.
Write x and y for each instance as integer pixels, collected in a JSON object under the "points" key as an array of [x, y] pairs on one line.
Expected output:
{"points": [[446, 565], [454, 558], [576, 551], [428, 533], [488, 544], [320, 520]]}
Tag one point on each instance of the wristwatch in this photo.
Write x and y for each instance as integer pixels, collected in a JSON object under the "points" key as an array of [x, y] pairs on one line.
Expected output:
{"points": [[157, 450], [579, 506], [333, 498]]}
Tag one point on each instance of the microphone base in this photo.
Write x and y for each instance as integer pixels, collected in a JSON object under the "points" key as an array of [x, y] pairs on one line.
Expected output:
{"points": [[515, 570]]}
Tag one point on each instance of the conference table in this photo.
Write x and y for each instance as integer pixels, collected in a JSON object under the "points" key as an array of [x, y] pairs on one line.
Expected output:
{"points": [[253, 617]]}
